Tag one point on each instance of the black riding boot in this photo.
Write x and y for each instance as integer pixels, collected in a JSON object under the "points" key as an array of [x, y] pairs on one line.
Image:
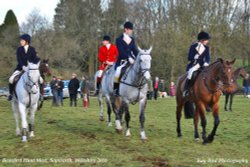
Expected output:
{"points": [[186, 88], [97, 88], [11, 90], [116, 89]]}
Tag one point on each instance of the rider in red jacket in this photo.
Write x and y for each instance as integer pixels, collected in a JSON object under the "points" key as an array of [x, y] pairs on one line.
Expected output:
{"points": [[108, 54]]}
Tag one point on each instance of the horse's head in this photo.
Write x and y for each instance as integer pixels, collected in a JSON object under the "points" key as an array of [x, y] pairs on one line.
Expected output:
{"points": [[33, 76], [144, 59], [226, 73], [44, 67]]}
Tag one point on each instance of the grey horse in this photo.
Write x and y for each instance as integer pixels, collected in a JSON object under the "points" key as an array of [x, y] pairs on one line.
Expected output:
{"points": [[133, 88]]}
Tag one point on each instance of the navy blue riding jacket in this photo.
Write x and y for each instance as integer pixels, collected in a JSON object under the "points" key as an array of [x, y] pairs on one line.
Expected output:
{"points": [[204, 57], [23, 58], [125, 50]]}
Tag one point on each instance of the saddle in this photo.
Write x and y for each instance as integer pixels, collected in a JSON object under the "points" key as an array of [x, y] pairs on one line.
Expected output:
{"points": [[195, 76], [17, 78], [124, 71]]}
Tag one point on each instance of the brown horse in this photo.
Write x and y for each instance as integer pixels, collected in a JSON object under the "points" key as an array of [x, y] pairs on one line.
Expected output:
{"points": [[234, 88], [206, 91], [44, 70]]}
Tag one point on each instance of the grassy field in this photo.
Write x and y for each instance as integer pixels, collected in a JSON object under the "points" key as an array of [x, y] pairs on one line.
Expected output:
{"points": [[75, 137]]}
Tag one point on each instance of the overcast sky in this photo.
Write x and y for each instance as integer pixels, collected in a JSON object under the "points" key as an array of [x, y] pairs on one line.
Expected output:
{"points": [[22, 8]]}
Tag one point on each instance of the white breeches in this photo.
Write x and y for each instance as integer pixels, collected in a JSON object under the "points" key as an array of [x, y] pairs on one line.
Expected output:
{"points": [[12, 77], [15, 73], [118, 71], [100, 73], [192, 70]]}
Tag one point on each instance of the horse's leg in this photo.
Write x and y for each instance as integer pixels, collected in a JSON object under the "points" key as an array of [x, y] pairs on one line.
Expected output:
{"points": [[226, 101], [202, 112], [196, 121], [116, 105], [22, 110], [178, 118], [109, 112], [101, 107], [16, 116], [127, 118], [142, 104], [32, 119], [231, 102], [216, 122]]}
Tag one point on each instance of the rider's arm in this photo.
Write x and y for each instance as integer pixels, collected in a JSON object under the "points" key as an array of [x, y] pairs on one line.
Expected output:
{"points": [[101, 56], [122, 52], [207, 55], [134, 48], [192, 52], [34, 58], [20, 63]]}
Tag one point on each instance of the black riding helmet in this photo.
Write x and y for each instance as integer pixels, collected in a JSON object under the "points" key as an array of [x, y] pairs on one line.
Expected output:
{"points": [[203, 36], [26, 37]]}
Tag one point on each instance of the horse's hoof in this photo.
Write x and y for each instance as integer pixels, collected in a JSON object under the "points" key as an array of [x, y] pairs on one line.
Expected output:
{"points": [[179, 135], [210, 139], [24, 139], [144, 138], [101, 118], [143, 135], [32, 134], [197, 139], [225, 109], [110, 124], [18, 133], [128, 134]]}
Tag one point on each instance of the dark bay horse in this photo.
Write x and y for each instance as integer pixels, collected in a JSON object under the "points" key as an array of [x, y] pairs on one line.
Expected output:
{"points": [[234, 88], [44, 70], [206, 91]]}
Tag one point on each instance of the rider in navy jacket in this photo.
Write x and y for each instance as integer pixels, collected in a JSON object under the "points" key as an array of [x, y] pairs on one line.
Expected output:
{"points": [[204, 57], [127, 53], [198, 56], [23, 58], [125, 50], [24, 54]]}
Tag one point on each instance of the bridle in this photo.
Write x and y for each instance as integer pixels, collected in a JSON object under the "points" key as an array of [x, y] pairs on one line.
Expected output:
{"points": [[27, 84]]}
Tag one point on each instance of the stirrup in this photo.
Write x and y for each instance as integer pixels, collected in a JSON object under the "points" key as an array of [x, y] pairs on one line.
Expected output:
{"points": [[9, 98], [116, 92], [96, 92], [185, 93]]}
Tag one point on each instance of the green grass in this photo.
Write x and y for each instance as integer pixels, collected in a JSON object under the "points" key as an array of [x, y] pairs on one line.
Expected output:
{"points": [[71, 133]]}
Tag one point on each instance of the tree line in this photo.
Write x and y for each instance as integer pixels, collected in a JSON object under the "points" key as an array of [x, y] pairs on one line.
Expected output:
{"points": [[72, 40]]}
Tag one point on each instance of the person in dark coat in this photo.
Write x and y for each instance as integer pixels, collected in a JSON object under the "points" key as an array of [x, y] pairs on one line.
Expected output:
{"points": [[24, 53], [74, 84], [127, 53], [198, 57], [246, 85], [53, 87], [60, 86], [156, 87]]}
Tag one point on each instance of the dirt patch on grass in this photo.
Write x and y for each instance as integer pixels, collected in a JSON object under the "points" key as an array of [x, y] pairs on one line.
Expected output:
{"points": [[89, 136], [51, 121], [155, 161]]}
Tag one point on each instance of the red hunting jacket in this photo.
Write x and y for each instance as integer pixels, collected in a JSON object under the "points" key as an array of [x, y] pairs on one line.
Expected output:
{"points": [[107, 55]]}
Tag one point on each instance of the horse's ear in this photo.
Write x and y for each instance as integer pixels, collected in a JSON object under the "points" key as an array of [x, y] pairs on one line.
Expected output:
{"points": [[150, 49], [232, 62], [220, 60], [140, 50], [39, 63]]}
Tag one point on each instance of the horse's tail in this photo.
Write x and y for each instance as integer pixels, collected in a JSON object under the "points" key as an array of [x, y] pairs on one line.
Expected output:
{"points": [[189, 110]]}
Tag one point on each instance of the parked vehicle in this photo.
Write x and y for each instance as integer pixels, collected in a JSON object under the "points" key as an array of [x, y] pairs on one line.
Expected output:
{"points": [[48, 93], [4, 91]]}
